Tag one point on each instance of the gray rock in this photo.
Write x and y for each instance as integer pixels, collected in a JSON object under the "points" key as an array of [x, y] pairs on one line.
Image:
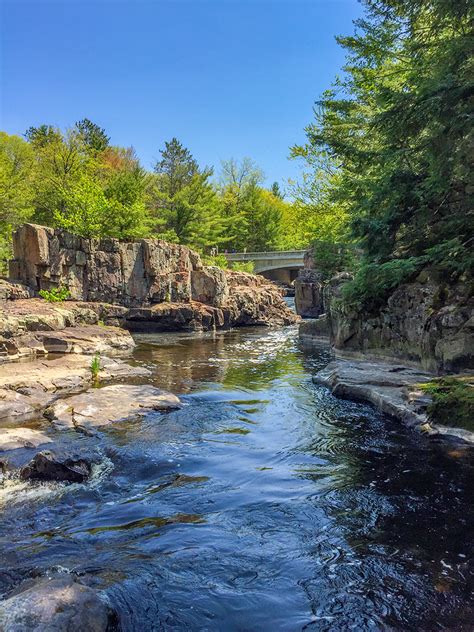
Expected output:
{"points": [[16, 438], [309, 294], [56, 605], [30, 387], [390, 388], [103, 406]]}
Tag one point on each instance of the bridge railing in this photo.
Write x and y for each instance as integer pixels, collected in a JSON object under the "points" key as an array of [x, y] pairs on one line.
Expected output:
{"points": [[273, 254]]}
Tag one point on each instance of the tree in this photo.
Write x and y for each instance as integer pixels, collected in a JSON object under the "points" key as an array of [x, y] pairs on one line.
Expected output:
{"points": [[183, 200], [42, 135], [93, 136], [16, 191], [276, 190], [252, 214], [85, 210], [176, 168], [397, 129]]}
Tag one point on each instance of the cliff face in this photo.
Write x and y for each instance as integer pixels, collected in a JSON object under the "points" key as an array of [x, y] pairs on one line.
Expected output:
{"points": [[426, 322], [151, 284]]}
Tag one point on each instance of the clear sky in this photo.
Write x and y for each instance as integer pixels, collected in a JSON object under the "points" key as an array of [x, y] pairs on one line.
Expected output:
{"points": [[229, 78]]}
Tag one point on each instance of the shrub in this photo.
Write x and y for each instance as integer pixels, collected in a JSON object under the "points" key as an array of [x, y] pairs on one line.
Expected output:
{"points": [[373, 282], [243, 266], [215, 260], [56, 294]]}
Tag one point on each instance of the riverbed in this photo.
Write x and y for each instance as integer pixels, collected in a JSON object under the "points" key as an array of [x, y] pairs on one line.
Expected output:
{"points": [[263, 504]]}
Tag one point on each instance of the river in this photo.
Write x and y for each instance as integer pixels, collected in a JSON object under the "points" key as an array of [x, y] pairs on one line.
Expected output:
{"points": [[263, 504]]}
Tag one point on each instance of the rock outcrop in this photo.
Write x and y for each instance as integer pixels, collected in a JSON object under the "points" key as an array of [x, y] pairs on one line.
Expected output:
{"points": [[425, 322], [392, 388], [309, 302], [34, 327], [309, 294], [144, 285]]}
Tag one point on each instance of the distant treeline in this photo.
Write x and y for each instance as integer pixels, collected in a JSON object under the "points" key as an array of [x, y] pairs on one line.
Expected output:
{"points": [[79, 181]]}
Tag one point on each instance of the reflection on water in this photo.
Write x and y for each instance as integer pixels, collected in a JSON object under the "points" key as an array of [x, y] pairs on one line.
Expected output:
{"points": [[263, 504]]}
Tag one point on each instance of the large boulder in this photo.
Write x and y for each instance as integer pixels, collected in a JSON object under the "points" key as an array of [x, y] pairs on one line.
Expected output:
{"points": [[56, 605], [309, 301]]}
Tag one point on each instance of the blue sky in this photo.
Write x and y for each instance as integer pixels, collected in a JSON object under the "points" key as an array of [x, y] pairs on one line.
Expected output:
{"points": [[229, 78]]}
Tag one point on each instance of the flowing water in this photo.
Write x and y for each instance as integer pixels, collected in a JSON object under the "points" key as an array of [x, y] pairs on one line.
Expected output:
{"points": [[263, 504]]}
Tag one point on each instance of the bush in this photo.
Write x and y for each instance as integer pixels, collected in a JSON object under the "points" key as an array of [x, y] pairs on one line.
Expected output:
{"points": [[374, 282], [56, 294], [215, 260], [243, 266]]}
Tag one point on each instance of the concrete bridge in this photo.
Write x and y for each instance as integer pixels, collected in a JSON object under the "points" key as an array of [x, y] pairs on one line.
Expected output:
{"points": [[280, 265]]}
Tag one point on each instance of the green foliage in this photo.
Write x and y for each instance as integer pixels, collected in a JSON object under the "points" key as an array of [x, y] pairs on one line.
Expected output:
{"points": [[182, 199], [373, 282], [78, 181], [16, 195], [243, 266], [453, 401], [218, 260], [331, 257], [91, 135], [95, 367], [55, 294], [252, 214], [393, 141]]}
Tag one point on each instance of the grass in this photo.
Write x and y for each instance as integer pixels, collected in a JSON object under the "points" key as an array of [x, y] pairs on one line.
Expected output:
{"points": [[453, 401], [95, 367]]}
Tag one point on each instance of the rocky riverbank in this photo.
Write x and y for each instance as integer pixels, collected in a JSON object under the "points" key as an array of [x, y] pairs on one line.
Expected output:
{"points": [[394, 389]]}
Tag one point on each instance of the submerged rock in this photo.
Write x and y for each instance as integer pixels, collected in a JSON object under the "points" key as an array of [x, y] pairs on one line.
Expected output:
{"points": [[56, 605], [51, 466], [102, 406]]}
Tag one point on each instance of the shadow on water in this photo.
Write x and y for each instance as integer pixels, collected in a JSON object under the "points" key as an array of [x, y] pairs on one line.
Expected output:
{"points": [[263, 504]]}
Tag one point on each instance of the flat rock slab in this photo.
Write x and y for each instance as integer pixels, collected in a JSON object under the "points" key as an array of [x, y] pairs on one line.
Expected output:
{"points": [[53, 605], [15, 438], [102, 406], [87, 339], [29, 387], [391, 388]]}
